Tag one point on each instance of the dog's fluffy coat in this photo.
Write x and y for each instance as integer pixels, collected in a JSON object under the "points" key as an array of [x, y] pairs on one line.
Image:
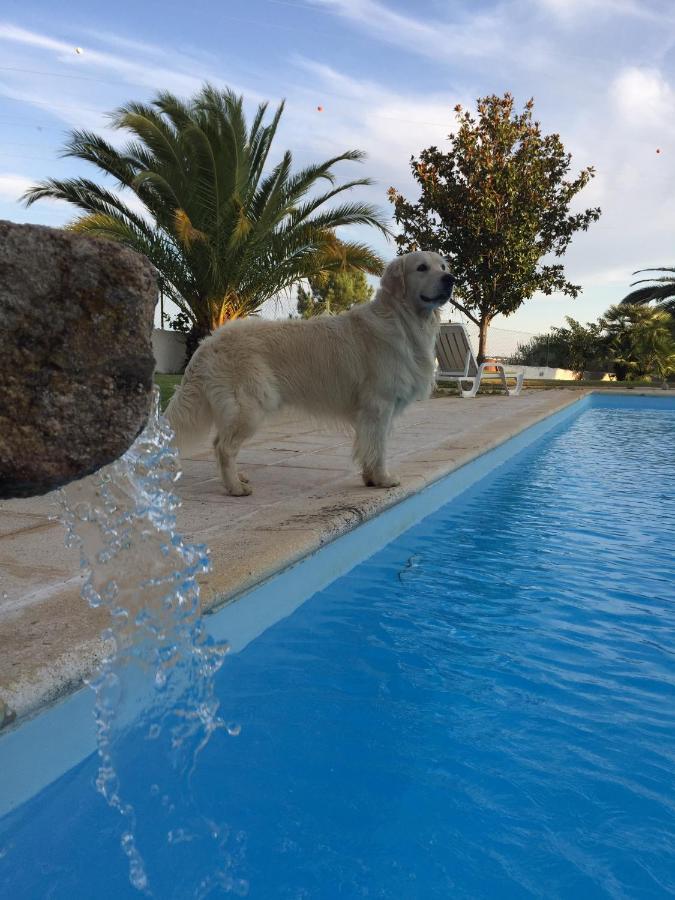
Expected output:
{"points": [[361, 368]]}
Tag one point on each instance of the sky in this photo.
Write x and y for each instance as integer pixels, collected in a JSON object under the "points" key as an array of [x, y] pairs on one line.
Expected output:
{"points": [[387, 74]]}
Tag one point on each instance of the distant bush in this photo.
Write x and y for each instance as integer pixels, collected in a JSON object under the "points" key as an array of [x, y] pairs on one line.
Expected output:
{"points": [[577, 347], [630, 340]]}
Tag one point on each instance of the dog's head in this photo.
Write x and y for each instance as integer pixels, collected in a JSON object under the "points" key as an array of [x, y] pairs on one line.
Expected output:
{"points": [[422, 280]]}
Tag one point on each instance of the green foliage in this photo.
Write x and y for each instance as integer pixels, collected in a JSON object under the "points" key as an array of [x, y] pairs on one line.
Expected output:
{"points": [[496, 203], [640, 341], [576, 347], [633, 341], [540, 350], [225, 230], [333, 293]]}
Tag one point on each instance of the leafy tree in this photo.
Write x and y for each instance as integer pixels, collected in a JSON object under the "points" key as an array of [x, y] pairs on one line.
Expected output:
{"points": [[659, 290], [640, 341], [577, 347], [540, 350], [583, 344], [225, 231], [495, 204], [333, 292]]}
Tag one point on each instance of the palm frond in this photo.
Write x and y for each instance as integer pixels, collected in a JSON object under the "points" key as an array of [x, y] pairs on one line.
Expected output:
{"points": [[186, 233], [653, 292], [657, 269], [225, 230]]}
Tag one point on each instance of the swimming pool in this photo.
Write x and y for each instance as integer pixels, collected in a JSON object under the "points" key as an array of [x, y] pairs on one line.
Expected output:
{"points": [[483, 708]]}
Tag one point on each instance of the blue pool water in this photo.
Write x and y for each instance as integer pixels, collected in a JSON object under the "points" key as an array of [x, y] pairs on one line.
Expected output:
{"points": [[483, 709]]}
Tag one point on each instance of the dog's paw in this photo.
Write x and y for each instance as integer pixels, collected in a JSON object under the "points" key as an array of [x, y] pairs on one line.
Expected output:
{"points": [[243, 477], [381, 481], [240, 490]]}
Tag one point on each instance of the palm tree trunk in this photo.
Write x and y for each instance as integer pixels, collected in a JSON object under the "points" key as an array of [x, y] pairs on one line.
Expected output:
{"points": [[195, 336]]}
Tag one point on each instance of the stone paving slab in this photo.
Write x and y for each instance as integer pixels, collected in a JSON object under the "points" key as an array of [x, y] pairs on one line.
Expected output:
{"points": [[305, 492]]}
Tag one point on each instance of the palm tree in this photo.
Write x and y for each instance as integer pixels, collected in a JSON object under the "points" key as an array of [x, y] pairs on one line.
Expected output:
{"points": [[224, 230], [640, 341], [661, 290]]}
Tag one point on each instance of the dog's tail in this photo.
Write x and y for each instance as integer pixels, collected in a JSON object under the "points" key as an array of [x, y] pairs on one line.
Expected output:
{"points": [[189, 412]]}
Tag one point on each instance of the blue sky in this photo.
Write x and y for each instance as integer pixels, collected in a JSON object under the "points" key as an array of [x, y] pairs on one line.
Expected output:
{"points": [[387, 74]]}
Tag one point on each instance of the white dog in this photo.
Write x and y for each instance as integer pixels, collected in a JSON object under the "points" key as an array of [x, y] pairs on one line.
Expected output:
{"points": [[361, 368]]}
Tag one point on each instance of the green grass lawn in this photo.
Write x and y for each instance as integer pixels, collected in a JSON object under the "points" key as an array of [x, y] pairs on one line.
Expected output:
{"points": [[167, 385]]}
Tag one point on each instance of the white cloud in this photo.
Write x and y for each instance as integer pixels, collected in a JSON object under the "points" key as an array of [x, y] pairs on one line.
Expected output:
{"points": [[9, 32], [179, 78], [47, 98], [479, 36], [12, 186], [590, 10], [645, 99], [131, 71]]}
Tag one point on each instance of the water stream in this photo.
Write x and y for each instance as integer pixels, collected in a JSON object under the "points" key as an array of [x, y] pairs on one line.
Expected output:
{"points": [[154, 689]]}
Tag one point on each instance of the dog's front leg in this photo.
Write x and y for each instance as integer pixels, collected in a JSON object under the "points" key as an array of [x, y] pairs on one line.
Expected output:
{"points": [[372, 427]]}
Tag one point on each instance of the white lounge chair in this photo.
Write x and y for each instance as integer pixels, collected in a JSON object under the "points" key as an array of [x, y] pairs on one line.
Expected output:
{"points": [[456, 362]]}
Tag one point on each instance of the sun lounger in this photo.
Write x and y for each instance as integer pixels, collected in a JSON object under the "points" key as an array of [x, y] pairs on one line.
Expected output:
{"points": [[456, 362]]}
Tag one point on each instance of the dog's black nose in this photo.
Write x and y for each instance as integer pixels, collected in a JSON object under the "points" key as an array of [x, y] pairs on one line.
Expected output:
{"points": [[448, 281]]}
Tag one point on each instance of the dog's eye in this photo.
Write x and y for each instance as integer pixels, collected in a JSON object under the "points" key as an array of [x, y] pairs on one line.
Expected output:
{"points": [[443, 267], [423, 267]]}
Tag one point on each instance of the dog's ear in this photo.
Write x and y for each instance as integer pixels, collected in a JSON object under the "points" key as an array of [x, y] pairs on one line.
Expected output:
{"points": [[393, 278]]}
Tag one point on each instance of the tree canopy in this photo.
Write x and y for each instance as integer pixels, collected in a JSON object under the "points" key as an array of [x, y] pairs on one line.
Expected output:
{"points": [[572, 346], [497, 204], [225, 229], [333, 292]]}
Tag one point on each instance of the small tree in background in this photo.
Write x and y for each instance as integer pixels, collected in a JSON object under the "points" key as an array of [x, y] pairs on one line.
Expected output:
{"points": [[540, 350], [333, 292], [575, 346], [496, 203], [584, 345]]}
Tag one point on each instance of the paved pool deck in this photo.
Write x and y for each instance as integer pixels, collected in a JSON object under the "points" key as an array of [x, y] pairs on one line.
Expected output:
{"points": [[306, 492]]}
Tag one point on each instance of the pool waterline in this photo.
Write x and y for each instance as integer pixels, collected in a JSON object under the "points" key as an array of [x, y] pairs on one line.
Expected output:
{"points": [[40, 750]]}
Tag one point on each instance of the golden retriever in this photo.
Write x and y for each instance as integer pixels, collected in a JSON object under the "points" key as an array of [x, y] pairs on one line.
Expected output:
{"points": [[361, 368]]}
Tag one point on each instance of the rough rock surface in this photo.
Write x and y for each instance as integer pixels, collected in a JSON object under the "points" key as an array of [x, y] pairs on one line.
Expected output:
{"points": [[76, 358]]}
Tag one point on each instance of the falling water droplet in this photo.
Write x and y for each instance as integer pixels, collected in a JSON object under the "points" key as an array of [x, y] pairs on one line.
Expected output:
{"points": [[138, 568]]}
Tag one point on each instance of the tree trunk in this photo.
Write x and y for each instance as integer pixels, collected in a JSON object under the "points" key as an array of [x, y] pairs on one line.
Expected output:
{"points": [[195, 336], [483, 326]]}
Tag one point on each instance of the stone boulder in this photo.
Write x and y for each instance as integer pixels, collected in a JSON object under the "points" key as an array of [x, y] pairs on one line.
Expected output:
{"points": [[76, 361]]}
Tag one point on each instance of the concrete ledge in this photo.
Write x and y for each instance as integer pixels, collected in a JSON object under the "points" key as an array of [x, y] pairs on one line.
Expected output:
{"points": [[306, 493]]}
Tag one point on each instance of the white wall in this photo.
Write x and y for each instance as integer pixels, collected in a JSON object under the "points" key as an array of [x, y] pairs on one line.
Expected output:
{"points": [[549, 373], [169, 350]]}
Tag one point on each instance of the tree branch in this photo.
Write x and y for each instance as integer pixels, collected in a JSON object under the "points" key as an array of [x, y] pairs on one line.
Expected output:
{"points": [[466, 312]]}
